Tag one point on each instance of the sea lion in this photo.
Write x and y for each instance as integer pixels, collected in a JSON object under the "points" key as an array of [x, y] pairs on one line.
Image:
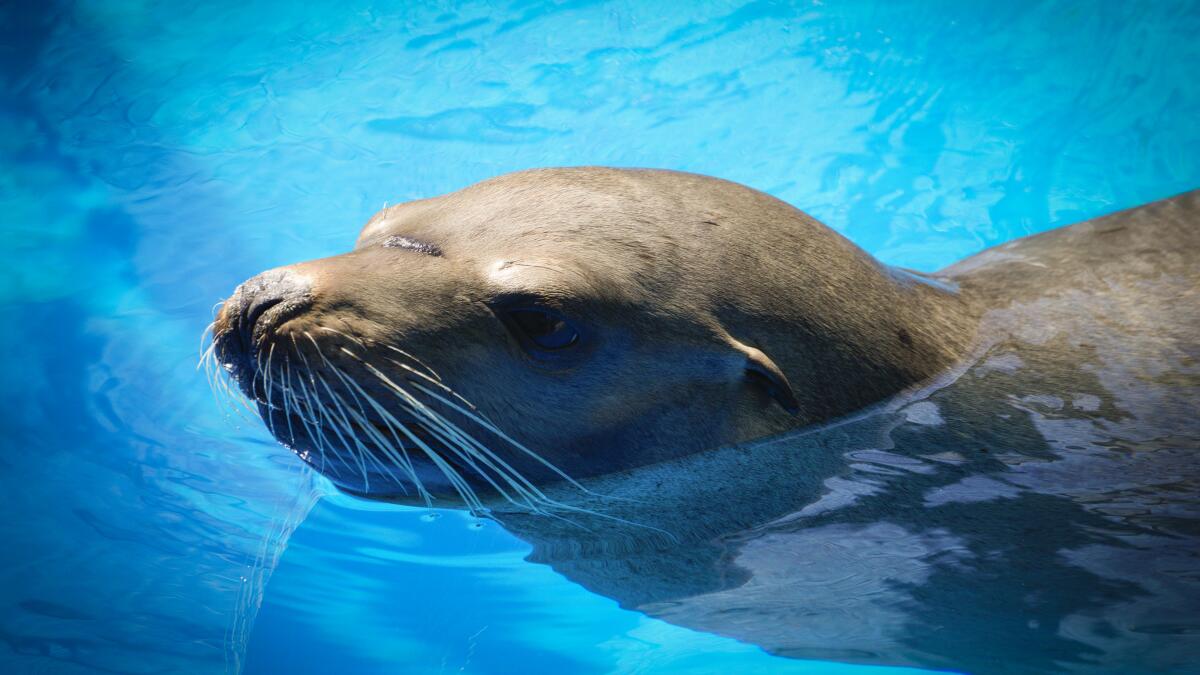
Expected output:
{"points": [[992, 467], [602, 319]]}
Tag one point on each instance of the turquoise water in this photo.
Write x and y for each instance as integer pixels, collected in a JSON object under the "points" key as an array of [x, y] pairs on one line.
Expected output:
{"points": [[154, 157]]}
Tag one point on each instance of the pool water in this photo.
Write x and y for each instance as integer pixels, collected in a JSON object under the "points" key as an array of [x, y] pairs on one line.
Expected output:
{"points": [[154, 156]]}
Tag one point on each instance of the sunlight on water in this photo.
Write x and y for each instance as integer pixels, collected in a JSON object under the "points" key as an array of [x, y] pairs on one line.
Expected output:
{"points": [[155, 156]]}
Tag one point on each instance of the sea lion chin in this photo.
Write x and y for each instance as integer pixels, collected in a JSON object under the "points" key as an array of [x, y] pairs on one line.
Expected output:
{"points": [[557, 324]]}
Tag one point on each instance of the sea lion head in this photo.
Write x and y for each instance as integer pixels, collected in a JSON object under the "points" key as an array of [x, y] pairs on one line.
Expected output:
{"points": [[547, 325]]}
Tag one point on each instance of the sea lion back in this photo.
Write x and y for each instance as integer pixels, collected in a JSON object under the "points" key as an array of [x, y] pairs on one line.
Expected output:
{"points": [[1139, 250]]}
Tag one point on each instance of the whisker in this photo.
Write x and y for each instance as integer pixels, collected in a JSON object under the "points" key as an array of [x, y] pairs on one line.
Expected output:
{"points": [[400, 456], [496, 430], [336, 399], [436, 383], [287, 410], [453, 438], [534, 495], [464, 489], [323, 410], [207, 335], [554, 503], [268, 385], [351, 338], [413, 358], [341, 409], [313, 427], [461, 486]]}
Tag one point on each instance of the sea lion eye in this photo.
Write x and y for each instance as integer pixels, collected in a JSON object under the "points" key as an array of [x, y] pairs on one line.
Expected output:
{"points": [[543, 327]]}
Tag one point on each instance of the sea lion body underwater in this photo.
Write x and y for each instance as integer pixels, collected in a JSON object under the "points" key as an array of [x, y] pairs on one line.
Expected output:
{"points": [[734, 411]]}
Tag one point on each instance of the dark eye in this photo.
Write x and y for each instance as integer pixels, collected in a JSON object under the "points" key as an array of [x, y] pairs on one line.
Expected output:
{"points": [[544, 328]]}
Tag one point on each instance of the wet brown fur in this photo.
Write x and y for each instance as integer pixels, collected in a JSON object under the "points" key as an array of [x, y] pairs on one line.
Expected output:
{"points": [[689, 284]]}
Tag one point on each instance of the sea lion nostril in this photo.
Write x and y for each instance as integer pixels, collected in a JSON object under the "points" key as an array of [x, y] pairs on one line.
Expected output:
{"points": [[257, 306], [258, 295], [253, 311]]}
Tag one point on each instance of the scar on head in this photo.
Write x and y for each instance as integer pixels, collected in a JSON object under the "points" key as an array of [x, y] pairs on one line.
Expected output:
{"points": [[412, 245]]}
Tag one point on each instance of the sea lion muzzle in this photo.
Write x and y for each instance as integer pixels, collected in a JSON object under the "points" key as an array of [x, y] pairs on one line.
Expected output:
{"points": [[255, 309]]}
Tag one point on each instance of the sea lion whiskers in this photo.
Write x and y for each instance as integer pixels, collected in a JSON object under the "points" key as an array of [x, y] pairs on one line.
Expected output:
{"points": [[536, 501], [208, 361], [483, 422], [328, 421], [342, 410], [462, 443], [234, 400], [541, 496], [433, 376], [455, 438], [285, 393], [396, 451], [267, 386], [389, 449], [392, 424], [218, 383], [206, 335], [401, 456], [432, 381], [461, 486], [306, 414], [477, 443], [419, 362], [542, 500], [316, 404], [440, 420], [465, 446], [362, 422], [291, 403], [309, 420], [355, 340], [451, 474], [423, 410], [314, 422]]}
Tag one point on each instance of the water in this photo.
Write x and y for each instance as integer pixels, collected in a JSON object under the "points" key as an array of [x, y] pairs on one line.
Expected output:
{"points": [[155, 156]]}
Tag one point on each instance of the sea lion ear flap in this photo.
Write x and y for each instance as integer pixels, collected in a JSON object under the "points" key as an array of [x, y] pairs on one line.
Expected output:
{"points": [[762, 371]]}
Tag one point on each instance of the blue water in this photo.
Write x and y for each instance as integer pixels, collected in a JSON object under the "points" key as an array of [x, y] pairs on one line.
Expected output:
{"points": [[154, 156]]}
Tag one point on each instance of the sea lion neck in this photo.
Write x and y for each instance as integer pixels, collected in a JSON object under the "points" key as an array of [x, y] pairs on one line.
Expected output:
{"points": [[913, 328], [846, 329]]}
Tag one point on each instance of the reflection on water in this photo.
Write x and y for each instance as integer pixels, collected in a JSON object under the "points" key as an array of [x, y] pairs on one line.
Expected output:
{"points": [[155, 155]]}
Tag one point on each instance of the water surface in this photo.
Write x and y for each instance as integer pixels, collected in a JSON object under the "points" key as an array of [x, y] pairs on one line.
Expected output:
{"points": [[155, 155]]}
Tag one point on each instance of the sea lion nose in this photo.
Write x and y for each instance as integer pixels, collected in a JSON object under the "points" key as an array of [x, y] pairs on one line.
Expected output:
{"points": [[261, 304]]}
